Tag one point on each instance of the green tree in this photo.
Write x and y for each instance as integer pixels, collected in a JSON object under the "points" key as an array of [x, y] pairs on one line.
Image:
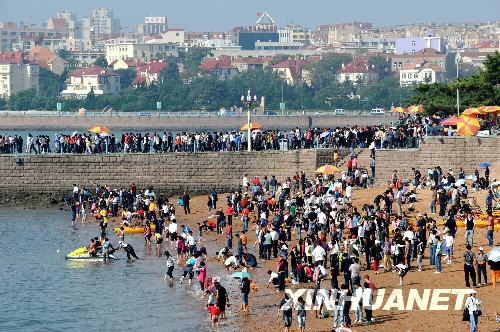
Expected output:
{"points": [[127, 76], [380, 65], [492, 69], [101, 62]]}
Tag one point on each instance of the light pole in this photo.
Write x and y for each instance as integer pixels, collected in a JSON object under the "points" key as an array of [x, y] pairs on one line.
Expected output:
{"points": [[248, 101], [457, 62]]}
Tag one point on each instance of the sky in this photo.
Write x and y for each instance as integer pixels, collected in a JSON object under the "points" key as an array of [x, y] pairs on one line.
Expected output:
{"points": [[222, 15]]}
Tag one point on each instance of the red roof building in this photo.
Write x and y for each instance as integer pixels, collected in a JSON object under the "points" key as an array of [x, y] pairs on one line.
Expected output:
{"points": [[294, 70], [149, 73], [220, 66], [357, 71]]}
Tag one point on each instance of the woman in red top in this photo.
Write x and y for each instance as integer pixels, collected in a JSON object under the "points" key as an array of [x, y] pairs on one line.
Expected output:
{"points": [[229, 213]]}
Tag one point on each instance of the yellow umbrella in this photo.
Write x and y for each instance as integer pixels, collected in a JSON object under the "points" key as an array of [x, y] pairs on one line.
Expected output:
{"points": [[328, 169], [253, 126], [398, 110], [415, 109], [467, 125], [489, 109], [99, 130], [472, 111]]}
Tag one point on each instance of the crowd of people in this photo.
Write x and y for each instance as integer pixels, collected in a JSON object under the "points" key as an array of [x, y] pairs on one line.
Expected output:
{"points": [[407, 134], [310, 229]]}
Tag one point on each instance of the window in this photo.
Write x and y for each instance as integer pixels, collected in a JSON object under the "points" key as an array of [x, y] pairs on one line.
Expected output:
{"points": [[413, 43], [404, 76]]}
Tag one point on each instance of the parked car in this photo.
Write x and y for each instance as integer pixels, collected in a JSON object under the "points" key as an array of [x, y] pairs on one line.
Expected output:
{"points": [[339, 111], [377, 111]]}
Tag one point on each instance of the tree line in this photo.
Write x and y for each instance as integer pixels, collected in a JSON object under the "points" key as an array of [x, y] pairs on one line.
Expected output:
{"points": [[191, 88]]}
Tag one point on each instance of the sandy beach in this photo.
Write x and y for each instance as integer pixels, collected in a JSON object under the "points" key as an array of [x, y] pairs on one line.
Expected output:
{"points": [[264, 302]]}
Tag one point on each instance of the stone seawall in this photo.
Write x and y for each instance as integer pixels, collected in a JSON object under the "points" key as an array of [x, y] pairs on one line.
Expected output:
{"points": [[200, 173], [171, 173], [447, 152]]}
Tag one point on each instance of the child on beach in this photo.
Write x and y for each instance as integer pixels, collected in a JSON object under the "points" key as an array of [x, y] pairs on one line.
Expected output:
{"points": [[212, 308], [121, 234], [83, 214], [170, 266], [401, 270]]}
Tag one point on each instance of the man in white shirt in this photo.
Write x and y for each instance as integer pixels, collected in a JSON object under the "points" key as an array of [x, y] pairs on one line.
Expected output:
{"points": [[319, 254], [273, 278], [231, 261], [348, 192], [172, 230], [245, 183]]}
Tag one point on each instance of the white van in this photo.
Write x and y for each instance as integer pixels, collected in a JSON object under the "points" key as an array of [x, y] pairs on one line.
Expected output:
{"points": [[377, 111], [339, 111]]}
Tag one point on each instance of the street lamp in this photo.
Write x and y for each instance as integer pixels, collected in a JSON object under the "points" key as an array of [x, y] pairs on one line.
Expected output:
{"points": [[457, 62], [248, 101]]}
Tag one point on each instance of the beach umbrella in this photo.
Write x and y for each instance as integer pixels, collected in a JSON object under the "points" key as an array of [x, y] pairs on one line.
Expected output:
{"points": [[415, 109], [489, 109], [253, 126], [99, 130], [472, 111], [484, 164], [398, 110], [494, 255], [241, 275], [451, 121], [327, 169], [325, 134], [467, 126]]}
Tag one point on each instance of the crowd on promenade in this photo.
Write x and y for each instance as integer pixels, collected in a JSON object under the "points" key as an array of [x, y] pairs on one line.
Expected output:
{"points": [[406, 135]]}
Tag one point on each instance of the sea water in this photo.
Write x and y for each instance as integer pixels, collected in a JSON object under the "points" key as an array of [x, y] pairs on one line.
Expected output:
{"points": [[41, 291]]}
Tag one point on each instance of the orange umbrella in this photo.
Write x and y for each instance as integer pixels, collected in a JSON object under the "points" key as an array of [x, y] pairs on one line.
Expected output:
{"points": [[451, 121], [99, 130], [253, 126], [398, 110], [472, 111], [489, 109], [468, 125], [415, 109], [327, 169]]}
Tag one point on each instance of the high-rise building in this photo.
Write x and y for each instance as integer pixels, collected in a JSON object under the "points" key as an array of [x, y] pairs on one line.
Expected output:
{"points": [[74, 29], [153, 25], [99, 25]]}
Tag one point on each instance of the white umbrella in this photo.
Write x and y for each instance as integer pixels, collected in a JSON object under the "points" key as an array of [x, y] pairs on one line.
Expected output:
{"points": [[494, 255], [74, 133]]}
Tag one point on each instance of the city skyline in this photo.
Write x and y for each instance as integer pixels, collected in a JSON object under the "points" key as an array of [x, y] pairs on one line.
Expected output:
{"points": [[222, 15]]}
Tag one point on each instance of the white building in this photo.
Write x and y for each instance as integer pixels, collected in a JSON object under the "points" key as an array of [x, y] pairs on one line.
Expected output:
{"points": [[16, 75], [82, 81], [357, 71], [144, 52], [421, 73], [175, 36], [153, 25]]}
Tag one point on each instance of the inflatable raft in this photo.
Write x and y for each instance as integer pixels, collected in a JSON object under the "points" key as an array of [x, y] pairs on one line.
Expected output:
{"points": [[133, 229]]}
